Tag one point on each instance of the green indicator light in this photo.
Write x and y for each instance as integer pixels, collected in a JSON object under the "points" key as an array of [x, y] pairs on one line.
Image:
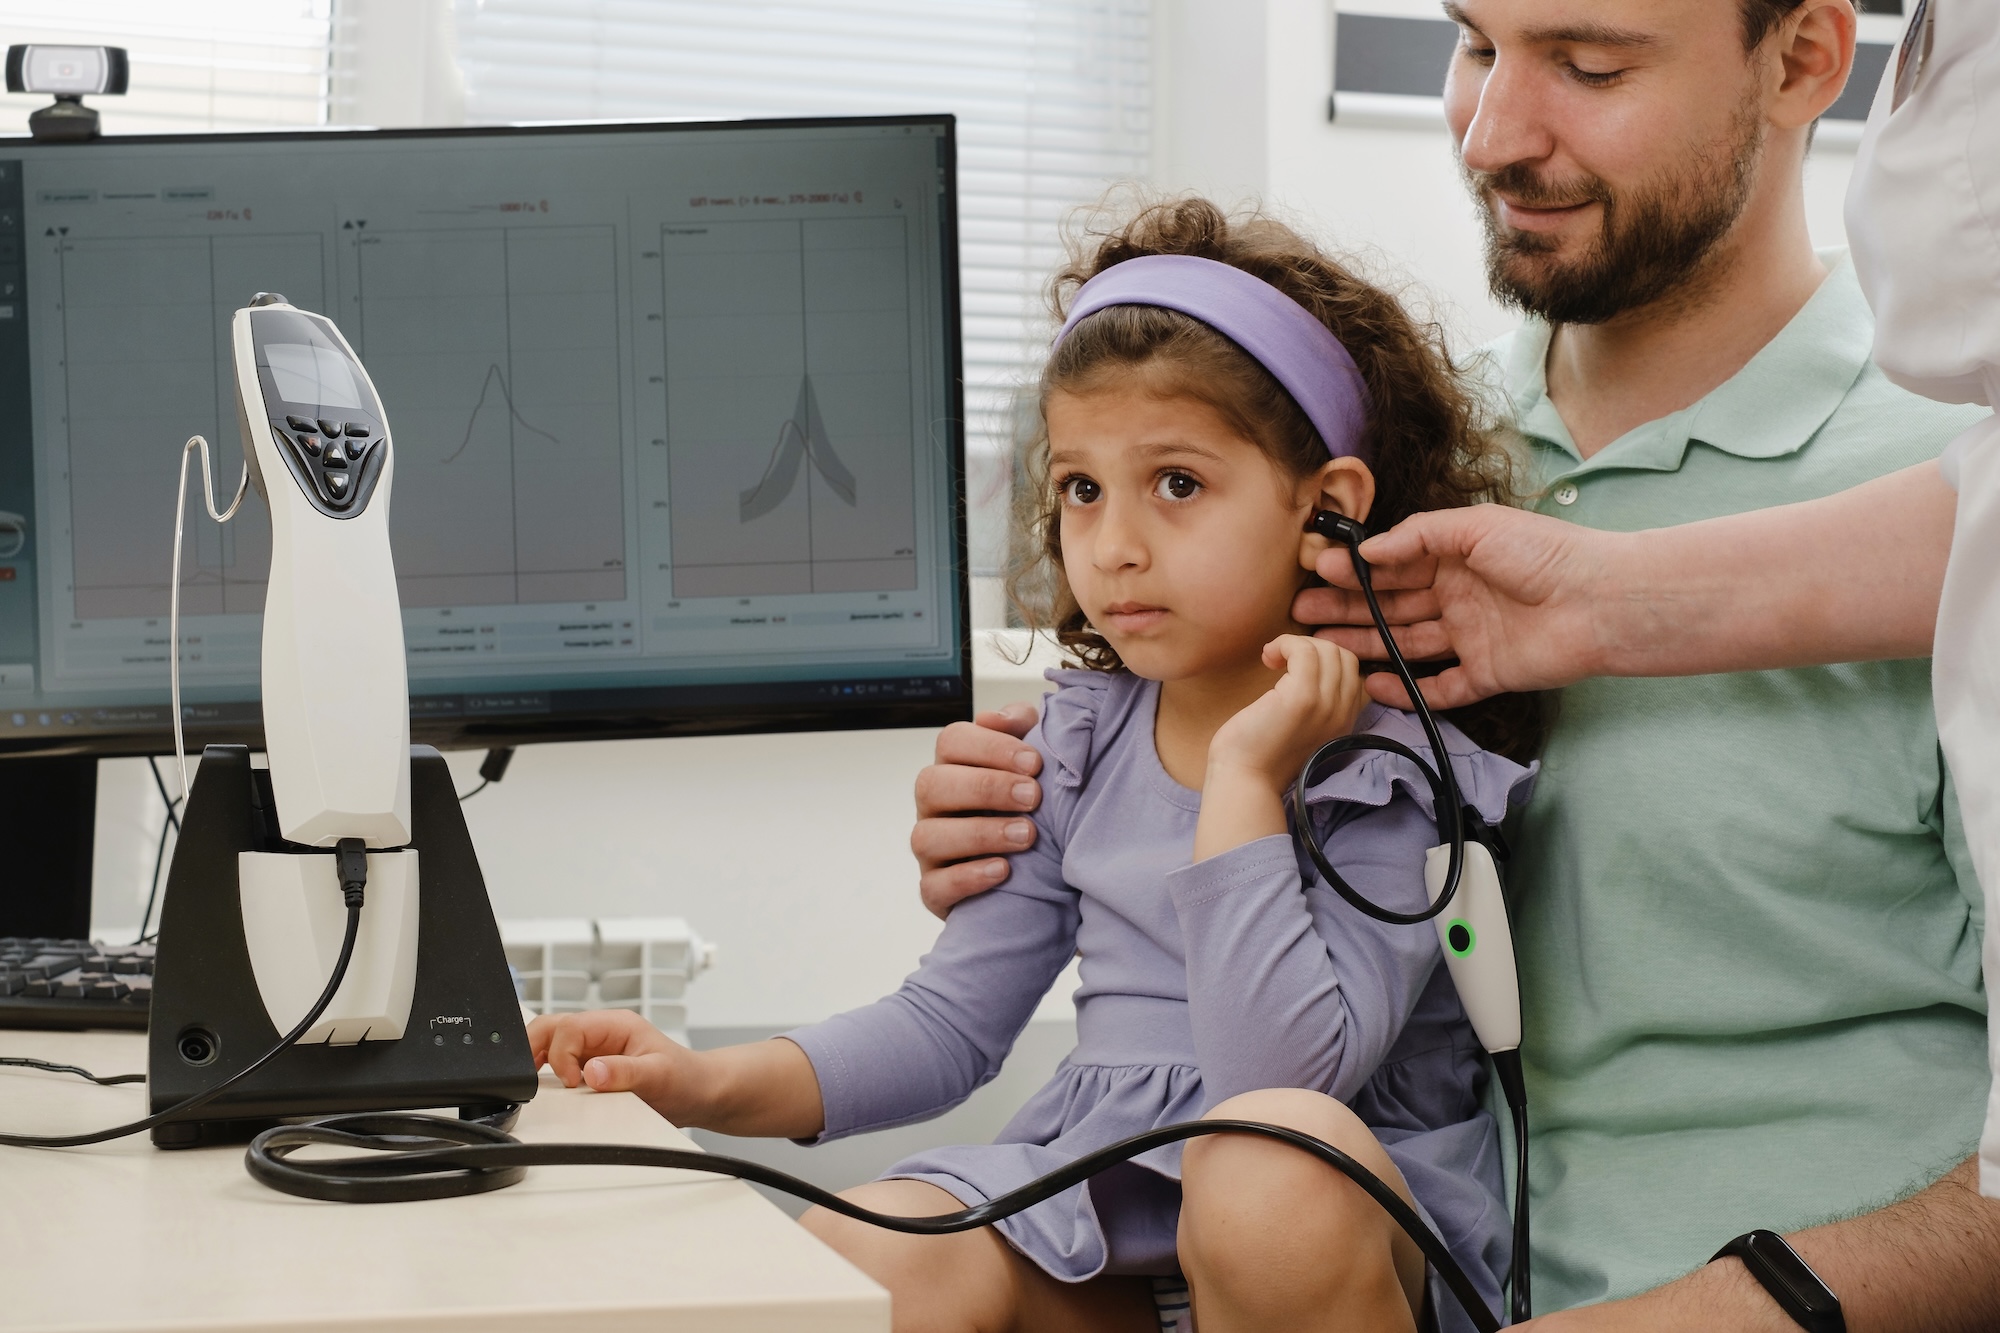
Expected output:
{"points": [[1460, 939]]}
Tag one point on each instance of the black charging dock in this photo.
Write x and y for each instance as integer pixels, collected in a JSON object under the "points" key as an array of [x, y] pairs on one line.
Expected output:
{"points": [[464, 1046]]}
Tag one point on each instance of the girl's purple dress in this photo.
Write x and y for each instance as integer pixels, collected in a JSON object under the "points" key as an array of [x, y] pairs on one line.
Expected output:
{"points": [[1199, 982]]}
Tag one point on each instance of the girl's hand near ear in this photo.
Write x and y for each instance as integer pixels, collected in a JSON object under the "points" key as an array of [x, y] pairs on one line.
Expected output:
{"points": [[1255, 756]]}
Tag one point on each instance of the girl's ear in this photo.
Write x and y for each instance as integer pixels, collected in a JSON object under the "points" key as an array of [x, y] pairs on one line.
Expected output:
{"points": [[1344, 485]]}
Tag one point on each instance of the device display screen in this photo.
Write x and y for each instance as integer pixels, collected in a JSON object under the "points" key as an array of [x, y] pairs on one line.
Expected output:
{"points": [[675, 414], [313, 376]]}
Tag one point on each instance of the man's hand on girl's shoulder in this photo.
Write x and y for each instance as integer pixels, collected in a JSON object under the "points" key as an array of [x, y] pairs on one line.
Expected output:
{"points": [[972, 806]]}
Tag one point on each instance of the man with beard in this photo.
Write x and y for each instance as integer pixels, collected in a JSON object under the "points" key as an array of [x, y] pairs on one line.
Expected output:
{"points": [[1747, 922]]}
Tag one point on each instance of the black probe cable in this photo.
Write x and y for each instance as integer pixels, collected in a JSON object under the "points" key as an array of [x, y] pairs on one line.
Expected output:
{"points": [[51, 1067], [352, 891], [1507, 1069], [1446, 802], [428, 1157], [1452, 819]]}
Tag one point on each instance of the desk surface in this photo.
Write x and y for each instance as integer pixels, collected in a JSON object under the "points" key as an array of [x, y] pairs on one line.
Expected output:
{"points": [[123, 1237]]}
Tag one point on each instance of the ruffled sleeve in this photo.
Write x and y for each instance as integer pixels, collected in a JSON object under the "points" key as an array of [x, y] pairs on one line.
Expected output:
{"points": [[1490, 783], [1069, 722]]}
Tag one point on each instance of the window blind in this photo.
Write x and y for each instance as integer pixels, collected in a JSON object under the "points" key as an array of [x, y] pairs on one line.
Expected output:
{"points": [[1053, 99], [196, 64]]}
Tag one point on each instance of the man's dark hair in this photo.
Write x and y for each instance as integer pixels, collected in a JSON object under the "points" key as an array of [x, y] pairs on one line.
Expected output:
{"points": [[1760, 16]]}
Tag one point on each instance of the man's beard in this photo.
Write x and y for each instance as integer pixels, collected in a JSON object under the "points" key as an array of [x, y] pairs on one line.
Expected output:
{"points": [[1652, 241]]}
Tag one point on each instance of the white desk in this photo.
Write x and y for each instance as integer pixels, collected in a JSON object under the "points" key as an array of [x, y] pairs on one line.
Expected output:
{"points": [[123, 1237]]}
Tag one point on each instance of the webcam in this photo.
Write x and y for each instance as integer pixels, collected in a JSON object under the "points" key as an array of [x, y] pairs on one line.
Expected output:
{"points": [[66, 72]]}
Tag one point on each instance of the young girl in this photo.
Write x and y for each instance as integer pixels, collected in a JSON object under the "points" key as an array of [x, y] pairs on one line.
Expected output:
{"points": [[1217, 382]]}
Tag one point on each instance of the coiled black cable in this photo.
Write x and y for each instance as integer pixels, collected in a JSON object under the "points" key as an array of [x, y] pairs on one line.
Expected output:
{"points": [[1446, 803], [1454, 819], [427, 1157]]}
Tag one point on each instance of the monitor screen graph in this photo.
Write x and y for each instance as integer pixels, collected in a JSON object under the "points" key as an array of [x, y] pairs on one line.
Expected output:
{"points": [[675, 410]]}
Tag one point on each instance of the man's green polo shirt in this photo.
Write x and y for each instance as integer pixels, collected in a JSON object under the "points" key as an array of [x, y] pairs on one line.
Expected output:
{"points": [[1748, 926]]}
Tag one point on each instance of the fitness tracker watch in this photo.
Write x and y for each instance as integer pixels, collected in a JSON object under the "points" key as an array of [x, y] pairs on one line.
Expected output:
{"points": [[1792, 1283]]}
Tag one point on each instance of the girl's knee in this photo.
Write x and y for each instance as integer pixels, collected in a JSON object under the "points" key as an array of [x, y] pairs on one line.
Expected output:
{"points": [[935, 1283], [1226, 1161], [1250, 1204]]}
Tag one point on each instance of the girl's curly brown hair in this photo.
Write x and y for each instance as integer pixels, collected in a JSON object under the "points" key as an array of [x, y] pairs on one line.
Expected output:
{"points": [[1424, 439]]}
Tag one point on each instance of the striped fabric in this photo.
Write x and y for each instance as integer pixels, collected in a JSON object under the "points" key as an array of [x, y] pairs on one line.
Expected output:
{"points": [[1173, 1305]]}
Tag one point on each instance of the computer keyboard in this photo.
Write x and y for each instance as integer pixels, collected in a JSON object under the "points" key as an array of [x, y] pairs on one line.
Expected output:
{"points": [[51, 983]]}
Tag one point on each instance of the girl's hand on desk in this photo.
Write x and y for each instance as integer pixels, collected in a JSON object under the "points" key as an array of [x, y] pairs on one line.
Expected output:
{"points": [[764, 1088], [615, 1050]]}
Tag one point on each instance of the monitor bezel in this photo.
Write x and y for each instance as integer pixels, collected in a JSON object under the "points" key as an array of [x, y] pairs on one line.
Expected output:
{"points": [[481, 732]]}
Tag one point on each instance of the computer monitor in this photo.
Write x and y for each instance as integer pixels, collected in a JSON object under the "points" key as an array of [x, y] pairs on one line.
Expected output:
{"points": [[676, 409]]}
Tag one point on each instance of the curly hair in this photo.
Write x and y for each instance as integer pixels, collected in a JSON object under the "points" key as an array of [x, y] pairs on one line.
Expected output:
{"points": [[1424, 439]]}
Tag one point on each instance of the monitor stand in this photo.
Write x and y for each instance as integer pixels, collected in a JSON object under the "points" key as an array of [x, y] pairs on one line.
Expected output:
{"points": [[48, 818]]}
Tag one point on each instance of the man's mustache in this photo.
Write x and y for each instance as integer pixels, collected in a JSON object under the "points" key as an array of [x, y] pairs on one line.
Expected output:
{"points": [[1524, 186]]}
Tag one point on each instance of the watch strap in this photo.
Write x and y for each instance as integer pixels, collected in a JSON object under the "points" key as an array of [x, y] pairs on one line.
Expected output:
{"points": [[1798, 1290]]}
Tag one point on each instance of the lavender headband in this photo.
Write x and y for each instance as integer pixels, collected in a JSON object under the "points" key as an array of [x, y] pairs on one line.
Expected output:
{"points": [[1300, 352]]}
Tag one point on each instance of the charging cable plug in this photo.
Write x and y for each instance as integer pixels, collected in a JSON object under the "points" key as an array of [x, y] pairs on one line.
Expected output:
{"points": [[350, 863], [495, 766], [492, 770]]}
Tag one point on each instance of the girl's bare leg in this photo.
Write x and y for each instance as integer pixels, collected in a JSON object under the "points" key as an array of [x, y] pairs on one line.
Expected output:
{"points": [[973, 1282], [1271, 1238]]}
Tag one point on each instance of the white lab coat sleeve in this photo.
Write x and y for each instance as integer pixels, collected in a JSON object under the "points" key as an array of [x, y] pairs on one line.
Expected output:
{"points": [[1923, 210], [1966, 682], [1923, 220]]}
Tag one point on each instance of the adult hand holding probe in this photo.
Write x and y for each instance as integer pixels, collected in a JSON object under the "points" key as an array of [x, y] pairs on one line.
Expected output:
{"points": [[1528, 602]]}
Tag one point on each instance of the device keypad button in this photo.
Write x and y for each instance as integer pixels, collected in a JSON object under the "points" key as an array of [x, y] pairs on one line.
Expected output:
{"points": [[356, 448], [310, 443], [356, 431], [334, 459], [299, 423], [337, 483], [330, 428]]}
